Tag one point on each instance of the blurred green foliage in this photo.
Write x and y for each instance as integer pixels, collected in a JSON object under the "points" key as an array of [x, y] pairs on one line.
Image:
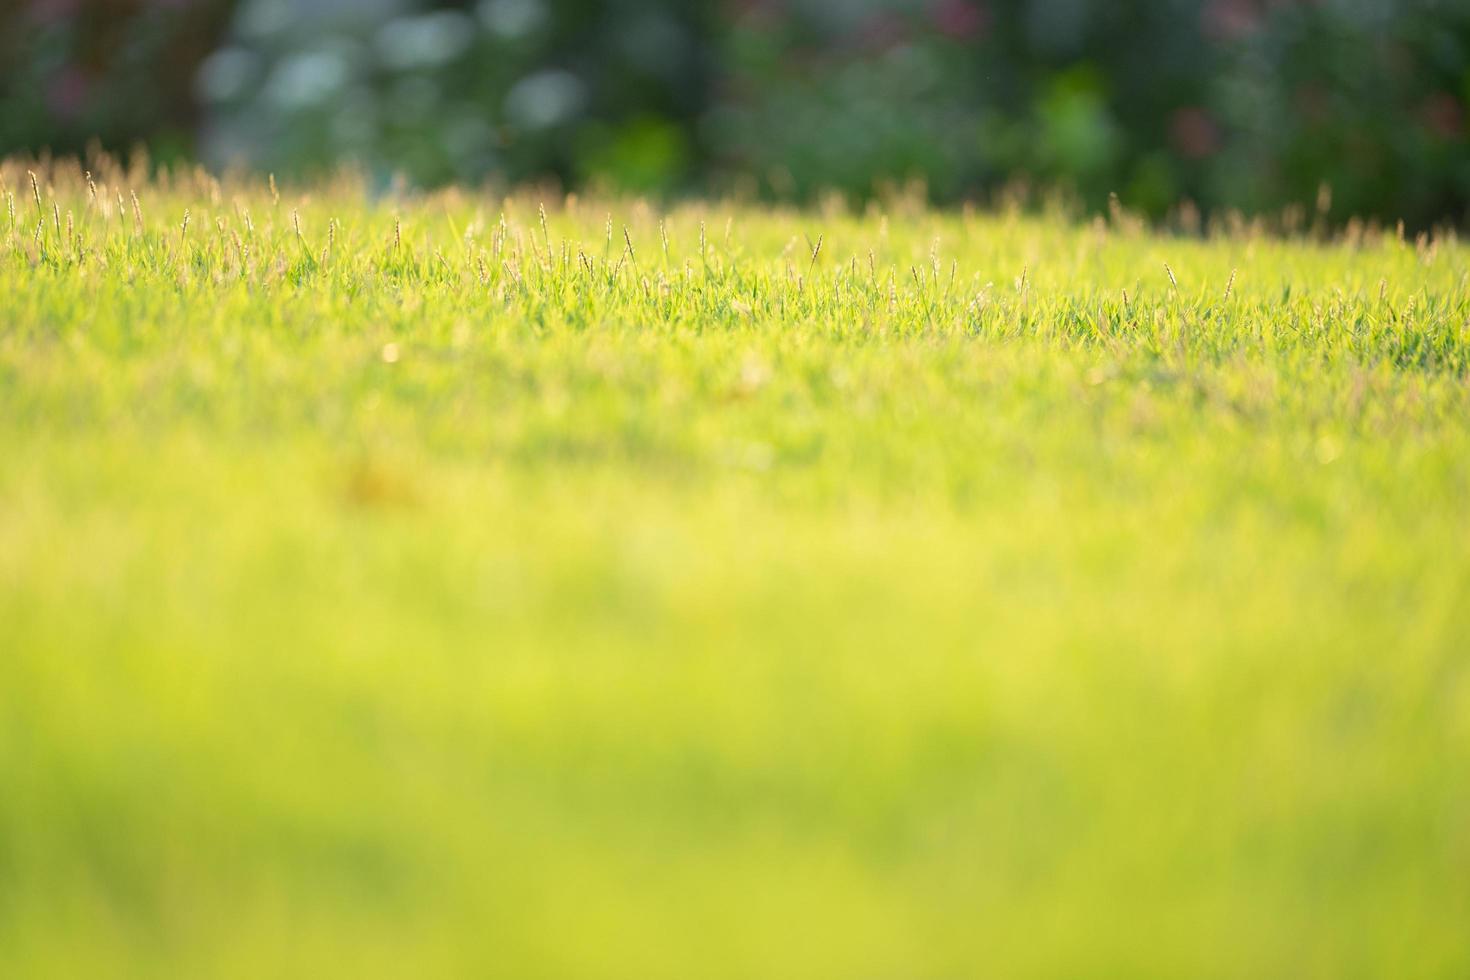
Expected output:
{"points": [[1255, 104], [118, 71]]}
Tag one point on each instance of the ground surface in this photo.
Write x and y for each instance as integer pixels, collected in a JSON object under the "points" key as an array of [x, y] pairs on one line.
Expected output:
{"points": [[424, 586]]}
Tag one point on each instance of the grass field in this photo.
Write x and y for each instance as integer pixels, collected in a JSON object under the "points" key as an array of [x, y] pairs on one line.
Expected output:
{"points": [[441, 586]]}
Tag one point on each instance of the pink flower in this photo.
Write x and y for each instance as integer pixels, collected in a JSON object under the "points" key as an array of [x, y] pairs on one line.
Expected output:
{"points": [[67, 94], [53, 11], [1227, 20], [1193, 133], [960, 18], [1442, 116]]}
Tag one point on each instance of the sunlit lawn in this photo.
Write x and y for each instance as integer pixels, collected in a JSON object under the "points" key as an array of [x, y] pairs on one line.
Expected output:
{"points": [[430, 586]]}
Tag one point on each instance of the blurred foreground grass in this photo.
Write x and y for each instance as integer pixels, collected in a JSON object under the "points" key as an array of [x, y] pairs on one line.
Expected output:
{"points": [[433, 587]]}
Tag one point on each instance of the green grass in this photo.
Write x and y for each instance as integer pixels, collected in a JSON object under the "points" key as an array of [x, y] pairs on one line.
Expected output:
{"points": [[514, 599]]}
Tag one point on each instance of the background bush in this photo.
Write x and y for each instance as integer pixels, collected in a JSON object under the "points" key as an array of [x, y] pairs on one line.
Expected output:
{"points": [[1253, 104]]}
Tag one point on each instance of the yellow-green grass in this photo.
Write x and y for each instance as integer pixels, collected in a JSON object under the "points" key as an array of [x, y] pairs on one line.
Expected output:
{"points": [[424, 586]]}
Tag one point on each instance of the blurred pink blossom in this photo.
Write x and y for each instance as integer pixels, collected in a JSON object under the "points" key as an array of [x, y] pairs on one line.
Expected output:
{"points": [[52, 11], [960, 18], [1442, 116], [1228, 20], [1194, 133], [67, 93]]}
